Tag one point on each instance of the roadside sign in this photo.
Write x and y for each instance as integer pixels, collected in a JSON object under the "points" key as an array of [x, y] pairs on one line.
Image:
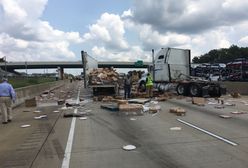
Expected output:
{"points": [[138, 63]]}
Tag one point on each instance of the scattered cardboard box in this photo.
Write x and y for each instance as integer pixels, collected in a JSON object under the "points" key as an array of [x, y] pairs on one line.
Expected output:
{"points": [[200, 101], [178, 111], [154, 109], [30, 102], [122, 102], [108, 99], [235, 95], [130, 107], [161, 98]]}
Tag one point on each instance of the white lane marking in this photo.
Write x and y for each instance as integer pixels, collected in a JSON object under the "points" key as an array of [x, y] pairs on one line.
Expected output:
{"points": [[67, 155], [209, 133]]}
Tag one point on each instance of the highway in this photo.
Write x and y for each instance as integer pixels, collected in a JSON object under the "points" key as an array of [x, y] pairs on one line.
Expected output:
{"points": [[97, 141]]}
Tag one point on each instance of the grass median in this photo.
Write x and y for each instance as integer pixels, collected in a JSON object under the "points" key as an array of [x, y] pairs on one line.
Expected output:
{"points": [[24, 81]]}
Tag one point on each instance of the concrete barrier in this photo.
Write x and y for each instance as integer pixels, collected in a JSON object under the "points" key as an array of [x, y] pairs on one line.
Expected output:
{"points": [[240, 87], [31, 91]]}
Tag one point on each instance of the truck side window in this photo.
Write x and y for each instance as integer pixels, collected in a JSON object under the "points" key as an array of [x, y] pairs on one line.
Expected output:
{"points": [[161, 57]]}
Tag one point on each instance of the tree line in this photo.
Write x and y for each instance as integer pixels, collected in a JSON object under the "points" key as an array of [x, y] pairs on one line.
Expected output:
{"points": [[223, 55]]}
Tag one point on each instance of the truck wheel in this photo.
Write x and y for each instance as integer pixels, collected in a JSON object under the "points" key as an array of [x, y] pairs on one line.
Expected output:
{"points": [[195, 90], [142, 86], [181, 90]]}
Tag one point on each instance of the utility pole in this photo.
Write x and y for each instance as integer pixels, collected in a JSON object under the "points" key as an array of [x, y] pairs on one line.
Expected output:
{"points": [[153, 65], [5, 65], [26, 67], [84, 60]]}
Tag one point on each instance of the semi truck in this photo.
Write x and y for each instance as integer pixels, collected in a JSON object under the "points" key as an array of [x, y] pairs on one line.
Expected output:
{"points": [[171, 68]]}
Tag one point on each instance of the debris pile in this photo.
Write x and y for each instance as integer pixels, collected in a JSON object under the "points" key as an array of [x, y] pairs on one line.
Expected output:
{"points": [[235, 95], [108, 99], [101, 76], [104, 98]]}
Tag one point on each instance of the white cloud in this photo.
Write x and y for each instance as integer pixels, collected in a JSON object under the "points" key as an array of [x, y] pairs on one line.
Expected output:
{"points": [[22, 50], [198, 25], [6, 41], [153, 39], [127, 13], [98, 32], [108, 31], [135, 53], [244, 41], [189, 16], [26, 37]]}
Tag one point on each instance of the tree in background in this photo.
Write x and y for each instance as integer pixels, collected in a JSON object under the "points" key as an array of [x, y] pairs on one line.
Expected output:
{"points": [[222, 55]]}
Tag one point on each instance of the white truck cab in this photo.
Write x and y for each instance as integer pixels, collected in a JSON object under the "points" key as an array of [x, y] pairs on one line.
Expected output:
{"points": [[171, 67], [169, 63]]}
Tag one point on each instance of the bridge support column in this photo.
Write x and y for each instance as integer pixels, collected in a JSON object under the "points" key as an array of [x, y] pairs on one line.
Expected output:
{"points": [[60, 73]]}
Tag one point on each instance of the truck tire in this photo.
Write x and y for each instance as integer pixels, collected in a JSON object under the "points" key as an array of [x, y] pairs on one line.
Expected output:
{"points": [[195, 90], [181, 89]]}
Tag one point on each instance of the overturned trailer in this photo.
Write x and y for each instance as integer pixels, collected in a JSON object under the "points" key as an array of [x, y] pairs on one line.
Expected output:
{"points": [[94, 77]]}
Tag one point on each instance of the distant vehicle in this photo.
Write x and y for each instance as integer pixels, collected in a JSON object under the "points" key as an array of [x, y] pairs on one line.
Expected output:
{"points": [[204, 69], [214, 77], [237, 70]]}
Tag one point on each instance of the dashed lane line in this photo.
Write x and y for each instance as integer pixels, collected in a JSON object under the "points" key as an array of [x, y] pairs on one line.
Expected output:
{"points": [[209, 133]]}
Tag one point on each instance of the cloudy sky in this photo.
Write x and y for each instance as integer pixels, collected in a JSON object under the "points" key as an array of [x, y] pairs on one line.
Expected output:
{"points": [[57, 30]]}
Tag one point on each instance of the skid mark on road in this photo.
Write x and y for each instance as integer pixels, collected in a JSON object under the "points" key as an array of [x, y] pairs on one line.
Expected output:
{"points": [[127, 132], [26, 152]]}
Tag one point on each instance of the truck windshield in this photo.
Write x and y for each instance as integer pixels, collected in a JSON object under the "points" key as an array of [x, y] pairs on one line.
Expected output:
{"points": [[161, 57]]}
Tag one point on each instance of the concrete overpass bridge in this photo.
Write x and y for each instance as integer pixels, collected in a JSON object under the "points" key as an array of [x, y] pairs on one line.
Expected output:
{"points": [[9, 66], [61, 65]]}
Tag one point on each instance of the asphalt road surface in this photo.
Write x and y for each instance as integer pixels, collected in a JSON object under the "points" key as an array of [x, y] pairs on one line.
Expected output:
{"points": [[98, 140]]}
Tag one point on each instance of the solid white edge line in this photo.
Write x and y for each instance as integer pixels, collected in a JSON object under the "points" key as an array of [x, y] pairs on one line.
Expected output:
{"points": [[209, 133], [67, 155]]}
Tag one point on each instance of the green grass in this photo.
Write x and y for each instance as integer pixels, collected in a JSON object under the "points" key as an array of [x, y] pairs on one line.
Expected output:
{"points": [[22, 82]]}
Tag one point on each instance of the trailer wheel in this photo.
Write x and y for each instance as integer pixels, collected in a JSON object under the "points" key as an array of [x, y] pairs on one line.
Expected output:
{"points": [[195, 90], [181, 90]]}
